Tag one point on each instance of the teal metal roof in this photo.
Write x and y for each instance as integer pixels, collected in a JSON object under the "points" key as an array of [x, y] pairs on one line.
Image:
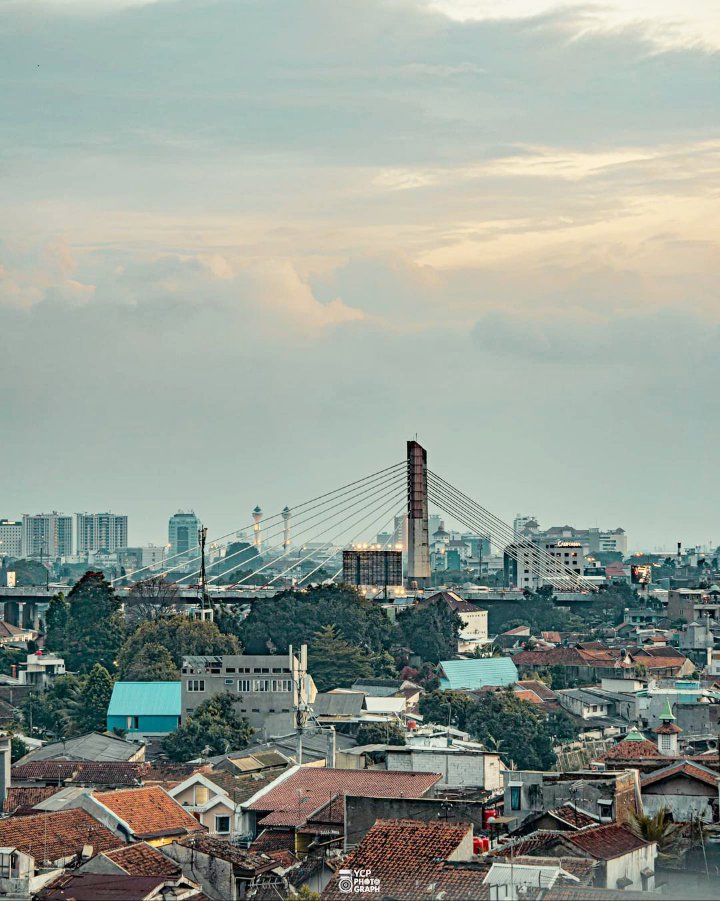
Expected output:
{"points": [[478, 673], [145, 699]]}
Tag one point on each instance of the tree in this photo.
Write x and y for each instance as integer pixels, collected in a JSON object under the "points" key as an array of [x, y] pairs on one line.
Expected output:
{"points": [[56, 620], [150, 599], [94, 629], [18, 749], [213, 729], [153, 663], [180, 636], [334, 662], [51, 713], [431, 631], [437, 706], [658, 827], [28, 573], [380, 734], [293, 617], [93, 700]]}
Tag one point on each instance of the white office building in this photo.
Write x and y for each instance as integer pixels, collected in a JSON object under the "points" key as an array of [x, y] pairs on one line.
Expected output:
{"points": [[10, 538], [47, 535], [101, 532]]}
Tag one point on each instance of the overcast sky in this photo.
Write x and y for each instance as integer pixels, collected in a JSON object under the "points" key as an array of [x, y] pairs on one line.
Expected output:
{"points": [[248, 248]]}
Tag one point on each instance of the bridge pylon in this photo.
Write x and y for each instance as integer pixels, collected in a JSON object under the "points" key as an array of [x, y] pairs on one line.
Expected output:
{"points": [[418, 550]]}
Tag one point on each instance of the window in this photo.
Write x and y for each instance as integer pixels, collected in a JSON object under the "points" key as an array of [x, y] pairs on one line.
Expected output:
{"points": [[133, 722], [229, 669], [605, 808], [229, 681], [281, 685], [222, 824], [515, 797], [261, 685], [196, 685], [243, 685]]}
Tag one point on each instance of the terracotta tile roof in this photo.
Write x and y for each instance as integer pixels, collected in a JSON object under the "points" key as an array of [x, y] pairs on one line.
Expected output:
{"points": [[540, 688], [682, 768], [534, 844], [149, 811], [607, 842], [570, 815], [550, 657], [302, 794], [141, 859], [554, 637], [100, 887], [406, 855], [632, 750], [667, 729], [286, 859], [530, 696], [52, 836], [79, 772], [249, 860], [22, 798], [275, 840]]}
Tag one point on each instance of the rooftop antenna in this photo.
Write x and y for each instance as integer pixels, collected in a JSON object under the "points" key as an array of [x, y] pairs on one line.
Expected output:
{"points": [[202, 538]]}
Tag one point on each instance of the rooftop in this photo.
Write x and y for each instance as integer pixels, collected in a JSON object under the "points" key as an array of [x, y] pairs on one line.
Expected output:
{"points": [[149, 812], [248, 861], [145, 699], [94, 746], [141, 859], [101, 887], [300, 795], [607, 842], [682, 768], [53, 836], [80, 772], [477, 673]]}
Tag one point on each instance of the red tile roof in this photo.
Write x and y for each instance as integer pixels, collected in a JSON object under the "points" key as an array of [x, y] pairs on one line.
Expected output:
{"points": [[682, 768], [100, 887], [632, 750], [141, 859], [299, 796], [52, 836], [405, 855], [540, 688], [149, 811], [550, 657], [607, 842], [22, 798], [80, 772], [571, 816], [554, 637], [275, 840], [530, 696]]}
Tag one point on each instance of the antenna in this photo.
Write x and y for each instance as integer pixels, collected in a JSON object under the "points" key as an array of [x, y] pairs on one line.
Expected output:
{"points": [[202, 538]]}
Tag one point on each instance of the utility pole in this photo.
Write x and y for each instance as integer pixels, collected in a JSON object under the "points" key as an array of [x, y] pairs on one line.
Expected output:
{"points": [[202, 538]]}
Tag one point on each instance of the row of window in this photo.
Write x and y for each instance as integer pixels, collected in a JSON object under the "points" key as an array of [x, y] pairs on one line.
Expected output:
{"points": [[246, 685]]}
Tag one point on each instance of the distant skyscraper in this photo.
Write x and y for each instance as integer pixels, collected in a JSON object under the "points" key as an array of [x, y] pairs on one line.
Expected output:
{"points": [[525, 525], [183, 533], [10, 538], [100, 531], [47, 535]]}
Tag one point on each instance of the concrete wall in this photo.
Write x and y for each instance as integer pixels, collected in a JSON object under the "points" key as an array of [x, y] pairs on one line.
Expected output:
{"points": [[687, 799], [458, 769], [147, 725], [630, 866], [214, 876]]}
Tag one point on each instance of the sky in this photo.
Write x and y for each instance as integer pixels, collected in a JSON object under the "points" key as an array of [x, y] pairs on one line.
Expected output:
{"points": [[249, 247]]}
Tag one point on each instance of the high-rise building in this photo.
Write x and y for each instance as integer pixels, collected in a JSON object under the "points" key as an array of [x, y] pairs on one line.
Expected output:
{"points": [[100, 532], [48, 535], [10, 538], [183, 529]]}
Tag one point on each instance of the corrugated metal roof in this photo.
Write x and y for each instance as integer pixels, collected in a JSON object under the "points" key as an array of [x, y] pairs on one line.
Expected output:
{"points": [[338, 704], [478, 673], [145, 699]]}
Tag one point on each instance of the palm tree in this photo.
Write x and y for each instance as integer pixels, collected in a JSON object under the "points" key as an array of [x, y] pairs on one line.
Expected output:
{"points": [[658, 828]]}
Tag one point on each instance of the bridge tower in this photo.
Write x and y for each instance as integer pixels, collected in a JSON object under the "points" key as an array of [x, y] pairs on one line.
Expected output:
{"points": [[418, 549]]}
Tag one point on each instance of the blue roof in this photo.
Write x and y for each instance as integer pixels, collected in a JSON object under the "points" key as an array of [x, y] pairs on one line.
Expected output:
{"points": [[477, 673], [145, 699]]}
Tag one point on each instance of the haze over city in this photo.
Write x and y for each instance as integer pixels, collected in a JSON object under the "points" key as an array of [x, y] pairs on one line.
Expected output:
{"points": [[241, 263]]}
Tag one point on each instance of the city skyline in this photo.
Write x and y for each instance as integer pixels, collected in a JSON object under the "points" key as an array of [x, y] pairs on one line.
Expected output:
{"points": [[493, 232]]}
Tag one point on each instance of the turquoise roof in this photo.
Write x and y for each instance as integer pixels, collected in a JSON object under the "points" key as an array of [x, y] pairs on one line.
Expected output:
{"points": [[145, 699], [477, 673]]}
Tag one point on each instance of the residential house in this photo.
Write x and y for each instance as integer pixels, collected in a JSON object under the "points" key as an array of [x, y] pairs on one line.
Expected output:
{"points": [[138, 859], [227, 872], [41, 669], [97, 746], [140, 814], [470, 675], [690, 791], [474, 630], [61, 773], [607, 796], [118, 887], [145, 709], [460, 766], [305, 802]]}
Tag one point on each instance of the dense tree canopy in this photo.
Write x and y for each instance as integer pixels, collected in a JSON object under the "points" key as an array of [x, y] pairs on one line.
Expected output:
{"points": [[334, 662], [93, 700], [152, 663], [430, 631], [380, 734], [292, 618], [179, 636], [87, 627], [215, 728]]}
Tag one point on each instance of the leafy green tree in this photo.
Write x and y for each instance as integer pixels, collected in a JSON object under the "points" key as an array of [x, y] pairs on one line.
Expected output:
{"points": [[293, 617], [334, 662], [56, 620], [93, 700], [51, 713], [18, 749], [380, 734], [153, 663], [436, 706], [28, 573], [215, 728], [658, 827], [179, 636], [94, 630], [10, 657], [431, 631]]}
